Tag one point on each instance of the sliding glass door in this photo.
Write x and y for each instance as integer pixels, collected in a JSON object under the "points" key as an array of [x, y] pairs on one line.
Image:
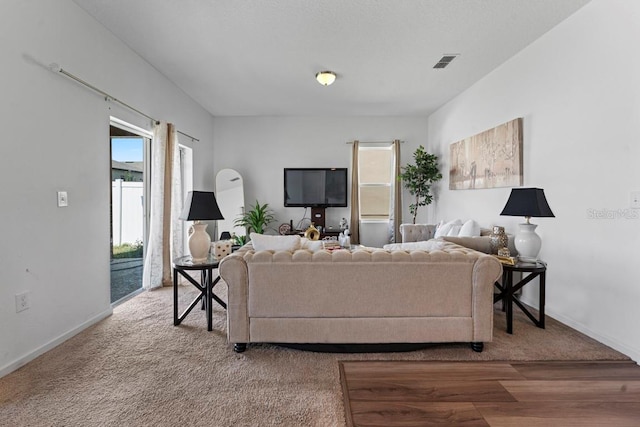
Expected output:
{"points": [[129, 177]]}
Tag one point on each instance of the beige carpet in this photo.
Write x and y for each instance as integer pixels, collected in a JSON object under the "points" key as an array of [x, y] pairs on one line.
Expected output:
{"points": [[136, 369]]}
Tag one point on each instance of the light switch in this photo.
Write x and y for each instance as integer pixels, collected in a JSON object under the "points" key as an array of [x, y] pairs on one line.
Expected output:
{"points": [[63, 200], [635, 199]]}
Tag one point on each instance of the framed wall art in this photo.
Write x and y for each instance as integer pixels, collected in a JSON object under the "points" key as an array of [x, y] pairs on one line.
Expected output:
{"points": [[490, 159]]}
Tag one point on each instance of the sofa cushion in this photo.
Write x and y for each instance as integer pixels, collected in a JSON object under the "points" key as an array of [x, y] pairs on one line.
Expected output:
{"points": [[263, 242], [429, 245], [480, 244]]}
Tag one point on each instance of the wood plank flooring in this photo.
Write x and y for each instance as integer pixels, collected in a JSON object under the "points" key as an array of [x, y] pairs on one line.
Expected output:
{"points": [[497, 394]]}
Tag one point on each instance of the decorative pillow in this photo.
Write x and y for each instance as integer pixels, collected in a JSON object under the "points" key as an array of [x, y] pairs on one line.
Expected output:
{"points": [[451, 228], [437, 233], [477, 243], [222, 248], [469, 229], [311, 245], [263, 242], [428, 245]]}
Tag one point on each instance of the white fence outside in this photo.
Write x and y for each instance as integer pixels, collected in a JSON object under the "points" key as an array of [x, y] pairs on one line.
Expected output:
{"points": [[127, 204]]}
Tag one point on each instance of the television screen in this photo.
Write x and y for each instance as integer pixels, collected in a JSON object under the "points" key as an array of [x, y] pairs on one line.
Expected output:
{"points": [[315, 187]]}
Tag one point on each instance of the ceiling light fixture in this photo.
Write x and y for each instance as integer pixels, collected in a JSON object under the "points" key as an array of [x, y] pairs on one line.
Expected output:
{"points": [[325, 78]]}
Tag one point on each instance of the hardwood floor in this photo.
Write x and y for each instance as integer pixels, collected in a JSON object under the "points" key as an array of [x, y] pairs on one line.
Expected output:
{"points": [[500, 394]]}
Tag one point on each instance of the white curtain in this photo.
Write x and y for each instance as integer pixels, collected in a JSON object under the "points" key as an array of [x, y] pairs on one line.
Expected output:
{"points": [[165, 229], [178, 194], [395, 208]]}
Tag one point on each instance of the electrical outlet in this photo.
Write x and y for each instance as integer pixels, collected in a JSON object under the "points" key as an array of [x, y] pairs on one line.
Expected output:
{"points": [[63, 200], [22, 301]]}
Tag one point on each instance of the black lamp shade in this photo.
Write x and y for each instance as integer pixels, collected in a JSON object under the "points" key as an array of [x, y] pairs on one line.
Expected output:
{"points": [[527, 202], [201, 206]]}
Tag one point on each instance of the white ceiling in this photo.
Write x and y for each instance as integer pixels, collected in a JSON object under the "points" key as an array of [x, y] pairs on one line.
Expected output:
{"points": [[259, 57]]}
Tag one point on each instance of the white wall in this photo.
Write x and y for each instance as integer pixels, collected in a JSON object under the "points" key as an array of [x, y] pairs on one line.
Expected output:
{"points": [[578, 90], [261, 147], [56, 137]]}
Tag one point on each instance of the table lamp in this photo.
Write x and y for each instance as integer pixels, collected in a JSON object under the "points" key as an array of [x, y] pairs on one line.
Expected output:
{"points": [[200, 206], [527, 202]]}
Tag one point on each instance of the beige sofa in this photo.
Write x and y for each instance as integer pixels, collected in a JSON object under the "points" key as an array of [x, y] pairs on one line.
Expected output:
{"points": [[360, 297]]}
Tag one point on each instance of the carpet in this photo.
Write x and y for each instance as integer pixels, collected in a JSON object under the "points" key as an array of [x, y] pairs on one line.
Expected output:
{"points": [[136, 369]]}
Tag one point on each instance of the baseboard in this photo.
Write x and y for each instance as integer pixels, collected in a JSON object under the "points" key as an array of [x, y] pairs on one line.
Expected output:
{"points": [[7, 369], [634, 354]]}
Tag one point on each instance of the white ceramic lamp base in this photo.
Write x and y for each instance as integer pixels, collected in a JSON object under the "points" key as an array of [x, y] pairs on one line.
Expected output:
{"points": [[199, 242], [528, 243]]}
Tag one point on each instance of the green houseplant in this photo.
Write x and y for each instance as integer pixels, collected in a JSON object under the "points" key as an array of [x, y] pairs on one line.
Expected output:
{"points": [[419, 177], [256, 219], [238, 240]]}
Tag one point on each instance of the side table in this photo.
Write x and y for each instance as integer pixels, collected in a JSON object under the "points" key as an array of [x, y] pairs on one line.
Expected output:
{"points": [[508, 289], [181, 266]]}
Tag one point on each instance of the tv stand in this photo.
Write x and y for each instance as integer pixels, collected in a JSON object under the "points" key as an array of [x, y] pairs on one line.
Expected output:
{"points": [[318, 220], [332, 234]]}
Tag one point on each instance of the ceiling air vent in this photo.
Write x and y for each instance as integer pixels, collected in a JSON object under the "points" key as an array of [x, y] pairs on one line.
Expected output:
{"points": [[446, 60]]}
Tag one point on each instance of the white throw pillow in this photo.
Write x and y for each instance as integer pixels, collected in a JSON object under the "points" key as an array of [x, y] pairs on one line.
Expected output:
{"points": [[448, 229], [311, 245], [469, 229], [425, 245], [263, 242], [455, 229]]}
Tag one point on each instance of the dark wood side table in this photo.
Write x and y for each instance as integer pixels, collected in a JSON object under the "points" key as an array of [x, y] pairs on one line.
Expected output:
{"points": [[508, 289], [181, 266]]}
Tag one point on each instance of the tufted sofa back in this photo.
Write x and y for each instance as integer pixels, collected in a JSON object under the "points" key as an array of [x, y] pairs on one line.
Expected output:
{"points": [[448, 252], [417, 232]]}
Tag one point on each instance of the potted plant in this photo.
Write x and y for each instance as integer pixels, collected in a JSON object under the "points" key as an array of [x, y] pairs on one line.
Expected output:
{"points": [[256, 219], [418, 179], [238, 240]]}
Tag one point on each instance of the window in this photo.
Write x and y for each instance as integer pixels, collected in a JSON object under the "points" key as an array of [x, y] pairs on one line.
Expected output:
{"points": [[376, 178]]}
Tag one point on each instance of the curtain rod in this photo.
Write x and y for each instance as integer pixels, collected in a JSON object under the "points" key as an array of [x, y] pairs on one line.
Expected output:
{"points": [[374, 142], [58, 69]]}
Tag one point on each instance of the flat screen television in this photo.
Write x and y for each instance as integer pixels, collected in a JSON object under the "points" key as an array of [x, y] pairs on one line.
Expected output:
{"points": [[315, 187]]}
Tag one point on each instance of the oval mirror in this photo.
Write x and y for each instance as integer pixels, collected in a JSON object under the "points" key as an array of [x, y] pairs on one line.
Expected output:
{"points": [[230, 197]]}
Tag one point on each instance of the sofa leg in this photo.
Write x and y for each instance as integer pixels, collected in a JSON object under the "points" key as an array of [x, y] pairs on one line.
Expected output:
{"points": [[477, 346], [239, 347]]}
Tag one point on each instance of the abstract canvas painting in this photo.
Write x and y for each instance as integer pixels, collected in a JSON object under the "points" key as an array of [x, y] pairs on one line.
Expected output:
{"points": [[489, 159]]}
